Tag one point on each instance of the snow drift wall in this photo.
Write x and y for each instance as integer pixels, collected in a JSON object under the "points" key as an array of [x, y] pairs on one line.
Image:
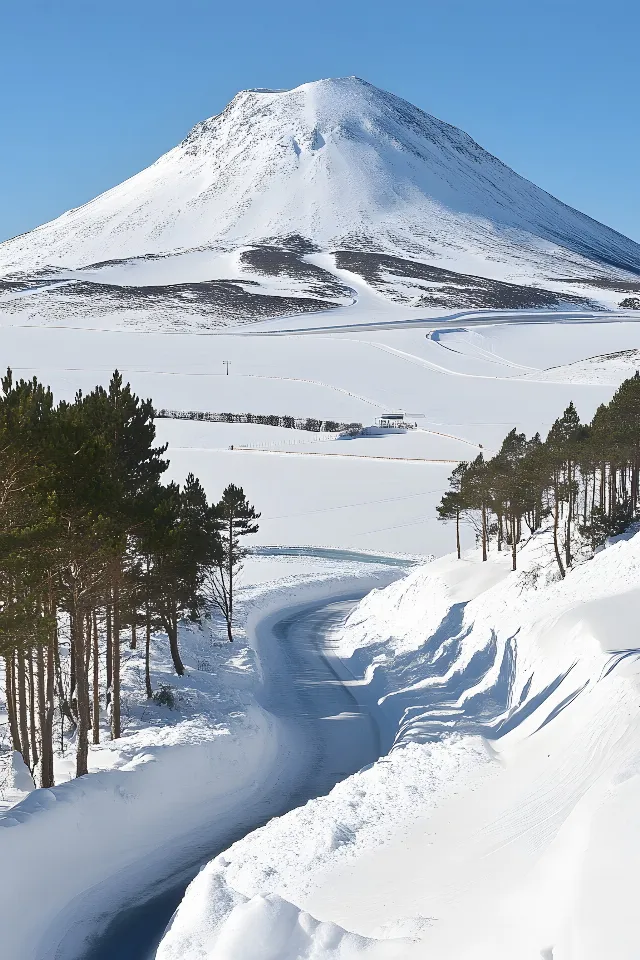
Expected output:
{"points": [[510, 706]]}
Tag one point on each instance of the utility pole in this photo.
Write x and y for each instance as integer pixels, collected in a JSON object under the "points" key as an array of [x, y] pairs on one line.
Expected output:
{"points": [[226, 364]]}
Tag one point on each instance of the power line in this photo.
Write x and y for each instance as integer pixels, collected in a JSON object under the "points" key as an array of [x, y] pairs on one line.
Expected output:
{"points": [[396, 526], [347, 506]]}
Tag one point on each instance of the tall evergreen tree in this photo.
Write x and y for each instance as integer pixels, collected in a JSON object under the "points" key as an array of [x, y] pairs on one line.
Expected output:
{"points": [[453, 506], [182, 543], [236, 519]]}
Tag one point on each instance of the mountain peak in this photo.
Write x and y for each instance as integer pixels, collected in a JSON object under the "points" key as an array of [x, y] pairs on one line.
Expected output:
{"points": [[347, 166]]}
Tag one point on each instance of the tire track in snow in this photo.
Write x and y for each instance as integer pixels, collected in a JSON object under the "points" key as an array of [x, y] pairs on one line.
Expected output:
{"points": [[193, 373], [311, 453]]}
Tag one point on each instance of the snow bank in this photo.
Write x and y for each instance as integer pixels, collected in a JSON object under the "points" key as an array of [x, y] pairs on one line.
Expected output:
{"points": [[177, 786], [265, 928], [496, 827], [238, 906], [15, 779]]}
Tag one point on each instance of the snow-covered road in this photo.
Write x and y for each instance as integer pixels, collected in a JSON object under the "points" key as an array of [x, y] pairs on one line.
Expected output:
{"points": [[332, 733], [468, 318]]}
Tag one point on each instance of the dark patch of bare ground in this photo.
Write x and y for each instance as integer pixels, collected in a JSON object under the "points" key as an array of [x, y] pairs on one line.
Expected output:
{"points": [[398, 278], [14, 286], [278, 261], [224, 298], [293, 242], [448, 288]]}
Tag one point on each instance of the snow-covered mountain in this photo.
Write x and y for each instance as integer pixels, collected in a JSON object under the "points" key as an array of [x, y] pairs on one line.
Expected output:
{"points": [[302, 199]]}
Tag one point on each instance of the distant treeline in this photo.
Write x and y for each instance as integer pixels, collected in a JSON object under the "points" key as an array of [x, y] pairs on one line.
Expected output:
{"points": [[584, 479], [264, 419]]}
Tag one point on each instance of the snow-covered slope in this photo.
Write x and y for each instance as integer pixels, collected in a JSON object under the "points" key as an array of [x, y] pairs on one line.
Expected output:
{"points": [[306, 194], [502, 825]]}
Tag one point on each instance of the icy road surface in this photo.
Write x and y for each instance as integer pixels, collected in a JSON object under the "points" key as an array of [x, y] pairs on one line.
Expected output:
{"points": [[336, 736]]}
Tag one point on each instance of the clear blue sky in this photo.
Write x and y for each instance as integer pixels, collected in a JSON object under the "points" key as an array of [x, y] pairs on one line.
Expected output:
{"points": [[91, 92]]}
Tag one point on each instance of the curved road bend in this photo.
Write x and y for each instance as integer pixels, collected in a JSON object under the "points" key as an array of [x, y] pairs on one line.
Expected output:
{"points": [[339, 736]]}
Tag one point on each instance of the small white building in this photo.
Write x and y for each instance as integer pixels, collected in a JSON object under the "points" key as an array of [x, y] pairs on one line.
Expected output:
{"points": [[389, 423], [392, 421]]}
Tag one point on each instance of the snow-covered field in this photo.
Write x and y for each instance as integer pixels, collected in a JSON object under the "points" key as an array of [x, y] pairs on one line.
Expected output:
{"points": [[463, 387]]}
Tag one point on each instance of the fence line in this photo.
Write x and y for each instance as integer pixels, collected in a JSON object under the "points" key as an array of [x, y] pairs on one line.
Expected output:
{"points": [[310, 424]]}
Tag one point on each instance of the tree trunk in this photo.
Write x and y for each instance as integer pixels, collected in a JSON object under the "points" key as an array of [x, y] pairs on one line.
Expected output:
{"points": [[567, 541], [134, 639], [172, 630], [42, 705], [23, 719], [586, 499], [109, 656], [10, 694], [96, 681], [82, 695], [484, 533], [46, 745], [87, 650], [513, 542], [458, 533], [48, 779], [612, 493], [147, 652], [72, 670], [35, 756], [65, 709], [230, 618], [556, 520], [115, 707]]}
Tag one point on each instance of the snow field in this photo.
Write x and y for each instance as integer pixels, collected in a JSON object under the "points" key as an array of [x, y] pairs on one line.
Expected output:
{"points": [[517, 751], [373, 504]]}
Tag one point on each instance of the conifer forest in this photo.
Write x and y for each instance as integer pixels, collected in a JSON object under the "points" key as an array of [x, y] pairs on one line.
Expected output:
{"points": [[97, 555], [583, 480]]}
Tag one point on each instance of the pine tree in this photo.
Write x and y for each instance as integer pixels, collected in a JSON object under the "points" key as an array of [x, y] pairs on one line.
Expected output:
{"points": [[476, 492], [182, 543], [563, 449], [452, 505], [236, 519]]}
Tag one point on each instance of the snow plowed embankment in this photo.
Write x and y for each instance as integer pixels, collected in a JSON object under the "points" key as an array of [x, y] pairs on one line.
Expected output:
{"points": [[503, 822], [176, 787]]}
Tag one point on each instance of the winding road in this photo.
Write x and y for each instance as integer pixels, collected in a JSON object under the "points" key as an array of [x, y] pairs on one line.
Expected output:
{"points": [[335, 734]]}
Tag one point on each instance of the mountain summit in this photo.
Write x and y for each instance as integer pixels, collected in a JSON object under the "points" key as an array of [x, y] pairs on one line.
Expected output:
{"points": [[337, 168]]}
